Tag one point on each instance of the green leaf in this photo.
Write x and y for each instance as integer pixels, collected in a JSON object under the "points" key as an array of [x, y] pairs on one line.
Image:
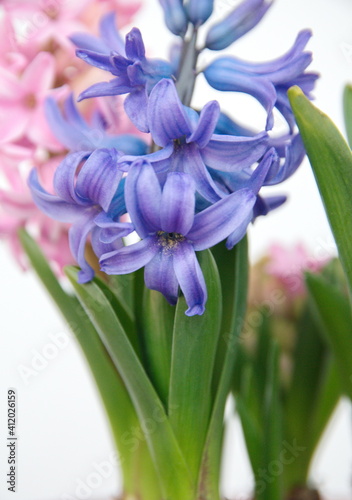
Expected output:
{"points": [[333, 312], [309, 360], [326, 401], [251, 415], [331, 160], [168, 460], [158, 321], [193, 352], [272, 429], [347, 109], [112, 390], [234, 302]]}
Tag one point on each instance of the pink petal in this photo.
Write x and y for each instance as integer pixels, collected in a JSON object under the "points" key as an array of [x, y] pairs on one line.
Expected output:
{"points": [[39, 75]]}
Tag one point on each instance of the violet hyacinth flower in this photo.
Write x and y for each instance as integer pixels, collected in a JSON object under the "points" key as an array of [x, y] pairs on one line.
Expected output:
{"points": [[81, 198], [266, 82], [135, 74], [73, 131], [190, 144], [171, 232]]}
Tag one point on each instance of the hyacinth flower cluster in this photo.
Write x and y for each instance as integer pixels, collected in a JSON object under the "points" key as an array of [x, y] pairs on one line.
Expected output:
{"points": [[199, 182], [37, 63]]}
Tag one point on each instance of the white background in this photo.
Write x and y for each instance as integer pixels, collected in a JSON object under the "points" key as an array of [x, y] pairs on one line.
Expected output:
{"points": [[62, 431]]}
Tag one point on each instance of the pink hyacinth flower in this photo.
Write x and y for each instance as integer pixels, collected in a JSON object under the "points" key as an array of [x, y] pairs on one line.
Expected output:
{"points": [[22, 99], [288, 266]]}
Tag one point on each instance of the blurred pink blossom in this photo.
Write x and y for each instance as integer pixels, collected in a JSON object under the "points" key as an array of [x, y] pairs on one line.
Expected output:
{"points": [[21, 102], [19, 211], [37, 60], [288, 266]]}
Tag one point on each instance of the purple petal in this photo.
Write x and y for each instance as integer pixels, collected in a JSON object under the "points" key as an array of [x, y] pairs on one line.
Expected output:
{"points": [[136, 74], [135, 50], [117, 86], [167, 119], [294, 156], [215, 223], [97, 59], [51, 205], [118, 230], [78, 235], [193, 164], [129, 259], [110, 229], [72, 115], [230, 153], [159, 275], [242, 19], [207, 122], [264, 205], [259, 175], [143, 198], [89, 42], [65, 176], [110, 33], [157, 158], [178, 203], [285, 61], [239, 232], [100, 247], [222, 75], [190, 278], [99, 177], [136, 107], [71, 137]]}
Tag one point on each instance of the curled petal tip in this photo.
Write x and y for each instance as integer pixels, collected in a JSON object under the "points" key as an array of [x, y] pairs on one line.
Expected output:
{"points": [[195, 310]]}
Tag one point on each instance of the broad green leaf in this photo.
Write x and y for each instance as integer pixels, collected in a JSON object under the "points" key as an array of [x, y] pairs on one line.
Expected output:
{"points": [[252, 420], [112, 390], [234, 301], [158, 322], [326, 402], [194, 346], [272, 430], [347, 109], [333, 312], [123, 287], [309, 365], [226, 260], [331, 160], [168, 460]]}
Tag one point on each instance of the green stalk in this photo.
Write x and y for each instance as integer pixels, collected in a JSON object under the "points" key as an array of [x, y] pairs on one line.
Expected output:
{"points": [[186, 77], [173, 474], [118, 406], [234, 292]]}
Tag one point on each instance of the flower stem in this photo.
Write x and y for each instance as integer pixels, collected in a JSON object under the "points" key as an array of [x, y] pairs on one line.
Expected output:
{"points": [[186, 77]]}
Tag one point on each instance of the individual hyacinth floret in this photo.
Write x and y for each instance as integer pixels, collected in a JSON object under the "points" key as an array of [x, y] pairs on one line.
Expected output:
{"points": [[83, 196], [171, 232], [135, 75]]}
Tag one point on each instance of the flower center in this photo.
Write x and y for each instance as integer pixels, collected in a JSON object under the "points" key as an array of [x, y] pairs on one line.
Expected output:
{"points": [[30, 101], [169, 241], [52, 11]]}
